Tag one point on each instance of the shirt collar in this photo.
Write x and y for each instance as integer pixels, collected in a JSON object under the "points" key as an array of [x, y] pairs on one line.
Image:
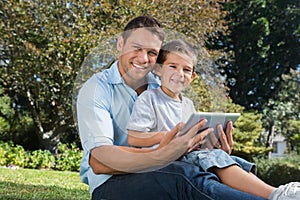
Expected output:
{"points": [[114, 76]]}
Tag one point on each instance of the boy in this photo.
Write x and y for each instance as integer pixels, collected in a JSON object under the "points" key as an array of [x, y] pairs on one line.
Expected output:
{"points": [[161, 109]]}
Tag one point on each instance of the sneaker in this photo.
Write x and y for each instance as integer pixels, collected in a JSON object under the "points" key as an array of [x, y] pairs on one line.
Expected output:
{"points": [[287, 192]]}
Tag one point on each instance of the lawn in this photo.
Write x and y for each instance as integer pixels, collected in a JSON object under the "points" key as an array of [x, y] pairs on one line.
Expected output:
{"points": [[41, 184]]}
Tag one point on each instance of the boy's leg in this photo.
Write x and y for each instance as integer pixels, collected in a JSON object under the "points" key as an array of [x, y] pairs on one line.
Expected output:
{"points": [[233, 171], [207, 182], [237, 178]]}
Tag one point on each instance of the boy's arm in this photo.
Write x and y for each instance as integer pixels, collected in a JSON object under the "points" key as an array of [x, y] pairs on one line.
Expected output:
{"points": [[144, 139]]}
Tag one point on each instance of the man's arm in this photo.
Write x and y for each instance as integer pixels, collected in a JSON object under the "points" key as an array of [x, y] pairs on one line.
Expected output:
{"points": [[100, 168], [144, 139], [116, 159]]}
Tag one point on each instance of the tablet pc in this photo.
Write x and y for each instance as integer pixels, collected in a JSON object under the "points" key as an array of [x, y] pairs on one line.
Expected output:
{"points": [[213, 119]]}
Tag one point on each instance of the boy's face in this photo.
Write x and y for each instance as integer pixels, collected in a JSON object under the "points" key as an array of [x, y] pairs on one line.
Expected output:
{"points": [[138, 54], [176, 73]]}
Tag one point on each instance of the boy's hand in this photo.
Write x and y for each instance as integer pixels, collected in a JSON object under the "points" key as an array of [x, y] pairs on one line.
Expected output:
{"points": [[200, 139], [226, 139]]}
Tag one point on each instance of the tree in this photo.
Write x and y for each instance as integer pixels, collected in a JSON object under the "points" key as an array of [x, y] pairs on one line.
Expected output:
{"points": [[43, 44], [282, 114], [294, 130], [264, 43], [42, 51], [5, 112], [246, 136]]}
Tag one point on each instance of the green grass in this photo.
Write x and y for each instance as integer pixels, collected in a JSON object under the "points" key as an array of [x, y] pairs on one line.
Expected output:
{"points": [[41, 184]]}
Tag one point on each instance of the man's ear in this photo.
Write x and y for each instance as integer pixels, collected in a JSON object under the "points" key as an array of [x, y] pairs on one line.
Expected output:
{"points": [[120, 43]]}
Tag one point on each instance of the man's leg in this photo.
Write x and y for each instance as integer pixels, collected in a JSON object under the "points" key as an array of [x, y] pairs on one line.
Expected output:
{"points": [[148, 186], [178, 180]]}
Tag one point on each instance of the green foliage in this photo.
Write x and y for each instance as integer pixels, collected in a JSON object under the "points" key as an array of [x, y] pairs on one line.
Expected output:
{"points": [[42, 49], [264, 43], [5, 113], [4, 126], [43, 44], [39, 159], [199, 94], [12, 154], [294, 130], [279, 171], [68, 159], [283, 111], [246, 135]]}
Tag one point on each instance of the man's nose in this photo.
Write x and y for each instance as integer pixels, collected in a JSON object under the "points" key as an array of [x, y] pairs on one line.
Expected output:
{"points": [[143, 56]]}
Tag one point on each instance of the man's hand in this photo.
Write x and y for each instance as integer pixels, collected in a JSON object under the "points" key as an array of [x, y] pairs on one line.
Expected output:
{"points": [[170, 135], [195, 140], [226, 139]]}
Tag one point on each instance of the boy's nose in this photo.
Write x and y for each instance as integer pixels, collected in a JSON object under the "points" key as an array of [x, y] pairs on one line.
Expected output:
{"points": [[179, 71]]}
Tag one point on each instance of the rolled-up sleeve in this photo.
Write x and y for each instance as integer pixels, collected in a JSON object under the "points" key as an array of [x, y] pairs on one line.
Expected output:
{"points": [[94, 119]]}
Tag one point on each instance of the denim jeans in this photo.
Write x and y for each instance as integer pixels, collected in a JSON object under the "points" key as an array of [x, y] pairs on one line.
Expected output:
{"points": [[206, 159], [178, 180]]}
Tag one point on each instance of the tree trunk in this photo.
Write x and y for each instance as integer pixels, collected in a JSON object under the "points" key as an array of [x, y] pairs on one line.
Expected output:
{"points": [[270, 136], [49, 141]]}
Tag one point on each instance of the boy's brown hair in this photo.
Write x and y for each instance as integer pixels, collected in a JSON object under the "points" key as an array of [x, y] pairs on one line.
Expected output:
{"points": [[179, 47]]}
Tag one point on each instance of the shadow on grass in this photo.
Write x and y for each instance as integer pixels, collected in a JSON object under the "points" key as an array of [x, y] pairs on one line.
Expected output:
{"points": [[9, 191]]}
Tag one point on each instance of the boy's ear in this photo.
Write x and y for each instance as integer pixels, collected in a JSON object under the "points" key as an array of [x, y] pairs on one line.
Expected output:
{"points": [[120, 43], [194, 75]]}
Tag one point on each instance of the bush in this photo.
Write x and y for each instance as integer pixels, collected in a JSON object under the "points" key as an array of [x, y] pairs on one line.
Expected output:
{"points": [[68, 158], [12, 154], [40, 159], [278, 171]]}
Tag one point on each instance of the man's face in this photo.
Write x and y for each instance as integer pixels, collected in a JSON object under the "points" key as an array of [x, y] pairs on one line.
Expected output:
{"points": [[176, 74], [138, 54]]}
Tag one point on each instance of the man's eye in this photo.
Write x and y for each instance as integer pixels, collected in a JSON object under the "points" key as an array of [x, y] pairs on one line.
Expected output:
{"points": [[137, 48], [187, 70], [172, 66], [152, 53]]}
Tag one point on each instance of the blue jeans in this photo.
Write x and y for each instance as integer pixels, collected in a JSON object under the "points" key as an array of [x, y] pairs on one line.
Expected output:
{"points": [[178, 180], [206, 159]]}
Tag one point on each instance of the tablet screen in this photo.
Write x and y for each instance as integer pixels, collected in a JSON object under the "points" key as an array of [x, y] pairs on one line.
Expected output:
{"points": [[213, 119]]}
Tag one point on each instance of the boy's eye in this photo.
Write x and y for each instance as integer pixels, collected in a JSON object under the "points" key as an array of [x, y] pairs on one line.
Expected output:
{"points": [[187, 70]]}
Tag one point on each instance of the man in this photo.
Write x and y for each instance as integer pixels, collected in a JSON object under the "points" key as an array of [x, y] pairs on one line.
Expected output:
{"points": [[111, 168]]}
